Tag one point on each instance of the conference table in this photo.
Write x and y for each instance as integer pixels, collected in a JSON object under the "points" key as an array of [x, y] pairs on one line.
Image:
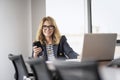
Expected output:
{"points": [[109, 73]]}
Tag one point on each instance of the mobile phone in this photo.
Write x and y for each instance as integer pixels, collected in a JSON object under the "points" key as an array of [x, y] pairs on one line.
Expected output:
{"points": [[37, 43]]}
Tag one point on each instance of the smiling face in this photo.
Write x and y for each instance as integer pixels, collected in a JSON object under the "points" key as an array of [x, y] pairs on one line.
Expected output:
{"points": [[47, 29]]}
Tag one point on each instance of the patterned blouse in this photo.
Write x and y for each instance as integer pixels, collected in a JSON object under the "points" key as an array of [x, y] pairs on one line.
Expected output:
{"points": [[50, 52]]}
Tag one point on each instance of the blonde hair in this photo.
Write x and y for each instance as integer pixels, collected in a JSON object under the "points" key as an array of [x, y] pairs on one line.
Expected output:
{"points": [[56, 34]]}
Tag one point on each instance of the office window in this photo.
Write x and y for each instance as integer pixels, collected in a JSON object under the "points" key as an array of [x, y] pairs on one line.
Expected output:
{"points": [[106, 17], [69, 16]]}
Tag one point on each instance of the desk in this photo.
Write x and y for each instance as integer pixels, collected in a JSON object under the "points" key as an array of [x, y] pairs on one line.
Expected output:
{"points": [[108, 73]]}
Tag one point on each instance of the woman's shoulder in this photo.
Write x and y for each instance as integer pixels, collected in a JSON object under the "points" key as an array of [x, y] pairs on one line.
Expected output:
{"points": [[63, 37]]}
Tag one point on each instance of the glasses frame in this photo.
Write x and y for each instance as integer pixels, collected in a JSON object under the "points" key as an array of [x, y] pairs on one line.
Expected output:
{"points": [[50, 27]]}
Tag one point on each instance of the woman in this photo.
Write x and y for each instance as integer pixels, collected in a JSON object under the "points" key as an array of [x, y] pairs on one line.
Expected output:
{"points": [[51, 44]]}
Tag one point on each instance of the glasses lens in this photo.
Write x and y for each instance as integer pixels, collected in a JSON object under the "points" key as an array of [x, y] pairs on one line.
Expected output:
{"points": [[44, 27], [51, 27]]}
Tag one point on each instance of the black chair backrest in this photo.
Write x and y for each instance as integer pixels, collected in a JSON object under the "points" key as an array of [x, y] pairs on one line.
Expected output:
{"points": [[19, 65], [69, 70], [40, 69], [114, 63]]}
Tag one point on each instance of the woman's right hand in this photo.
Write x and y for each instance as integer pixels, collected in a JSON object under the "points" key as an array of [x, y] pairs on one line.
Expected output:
{"points": [[36, 50]]}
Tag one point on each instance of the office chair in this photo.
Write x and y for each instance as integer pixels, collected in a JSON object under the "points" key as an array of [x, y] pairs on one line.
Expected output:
{"points": [[20, 67], [69, 70], [114, 63], [40, 69]]}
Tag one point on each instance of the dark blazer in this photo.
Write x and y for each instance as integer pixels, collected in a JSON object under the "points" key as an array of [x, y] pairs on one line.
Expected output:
{"points": [[61, 51]]}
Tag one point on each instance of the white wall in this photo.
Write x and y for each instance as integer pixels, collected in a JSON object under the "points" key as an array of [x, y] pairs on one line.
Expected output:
{"points": [[16, 31], [13, 34]]}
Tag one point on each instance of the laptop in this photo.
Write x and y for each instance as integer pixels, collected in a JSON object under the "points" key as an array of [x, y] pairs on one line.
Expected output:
{"points": [[99, 46]]}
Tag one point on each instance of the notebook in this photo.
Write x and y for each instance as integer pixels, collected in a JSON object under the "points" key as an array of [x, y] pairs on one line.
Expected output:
{"points": [[99, 46]]}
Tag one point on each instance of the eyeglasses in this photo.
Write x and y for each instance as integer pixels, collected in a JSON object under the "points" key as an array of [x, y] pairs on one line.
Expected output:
{"points": [[50, 27]]}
